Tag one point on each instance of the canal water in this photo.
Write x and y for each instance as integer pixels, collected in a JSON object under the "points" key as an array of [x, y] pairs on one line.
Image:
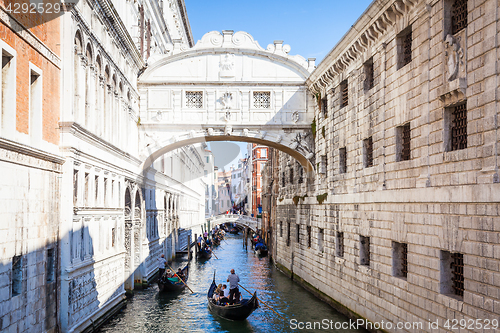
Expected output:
{"points": [[150, 311]]}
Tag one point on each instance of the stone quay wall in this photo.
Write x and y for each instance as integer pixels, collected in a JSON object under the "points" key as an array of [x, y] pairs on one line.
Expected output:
{"points": [[401, 220]]}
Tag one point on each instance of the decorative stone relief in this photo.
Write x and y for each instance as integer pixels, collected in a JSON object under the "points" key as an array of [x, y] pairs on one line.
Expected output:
{"points": [[228, 130], [227, 65], [295, 116], [210, 131], [303, 143]]}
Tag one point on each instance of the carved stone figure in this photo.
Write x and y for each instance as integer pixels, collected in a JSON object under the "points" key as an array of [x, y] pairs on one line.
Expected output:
{"points": [[295, 116], [455, 54], [303, 144], [227, 101], [228, 130]]}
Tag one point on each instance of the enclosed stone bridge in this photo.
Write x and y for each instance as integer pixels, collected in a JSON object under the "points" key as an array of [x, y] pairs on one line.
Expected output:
{"points": [[227, 88], [241, 220]]}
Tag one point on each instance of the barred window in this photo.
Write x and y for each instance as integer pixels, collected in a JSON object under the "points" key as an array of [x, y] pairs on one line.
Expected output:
{"points": [[459, 127], [364, 250], [403, 138], [457, 265], [369, 77], [340, 244], [194, 99], [368, 152], [301, 173], [344, 90], [324, 106], [297, 233], [308, 236], [291, 175], [458, 16], [404, 47], [288, 234], [452, 273], [400, 260], [343, 160], [262, 99]]}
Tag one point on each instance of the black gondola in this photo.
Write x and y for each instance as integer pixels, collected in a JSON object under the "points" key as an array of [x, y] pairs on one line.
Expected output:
{"points": [[239, 311], [262, 252], [233, 231], [204, 253], [165, 284]]}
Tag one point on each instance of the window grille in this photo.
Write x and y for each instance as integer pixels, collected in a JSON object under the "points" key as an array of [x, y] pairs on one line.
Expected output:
{"points": [[343, 160], [324, 106], [364, 251], [459, 127], [404, 260], [368, 152], [288, 235], [262, 99], [301, 174], [340, 244], [344, 88], [369, 75], [283, 179], [406, 137], [308, 236], [194, 99], [457, 266], [407, 49], [281, 229], [458, 16], [291, 175], [297, 229]]}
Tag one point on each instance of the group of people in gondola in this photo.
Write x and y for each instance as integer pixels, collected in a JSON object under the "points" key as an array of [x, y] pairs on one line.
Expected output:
{"points": [[224, 296]]}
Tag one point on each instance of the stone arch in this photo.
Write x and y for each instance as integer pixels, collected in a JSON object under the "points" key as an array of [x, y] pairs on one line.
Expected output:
{"points": [[138, 204], [89, 53], [107, 74], [128, 203], [98, 63], [78, 42], [292, 146]]}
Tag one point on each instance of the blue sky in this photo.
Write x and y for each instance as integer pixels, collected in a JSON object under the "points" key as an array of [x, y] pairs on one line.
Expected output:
{"points": [[311, 28]]}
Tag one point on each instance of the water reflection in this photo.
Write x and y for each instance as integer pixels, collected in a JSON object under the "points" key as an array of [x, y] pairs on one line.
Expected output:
{"points": [[150, 311]]}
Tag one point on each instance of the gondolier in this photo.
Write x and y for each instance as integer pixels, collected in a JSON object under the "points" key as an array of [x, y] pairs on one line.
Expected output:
{"points": [[161, 265], [234, 292]]}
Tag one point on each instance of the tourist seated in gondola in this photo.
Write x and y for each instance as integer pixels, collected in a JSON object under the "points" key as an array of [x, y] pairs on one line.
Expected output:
{"points": [[180, 275], [224, 295]]}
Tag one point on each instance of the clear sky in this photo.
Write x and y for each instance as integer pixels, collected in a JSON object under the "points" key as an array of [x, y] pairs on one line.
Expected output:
{"points": [[312, 28]]}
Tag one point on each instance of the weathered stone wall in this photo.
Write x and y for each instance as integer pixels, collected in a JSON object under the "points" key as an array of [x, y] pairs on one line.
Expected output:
{"points": [[439, 202], [29, 214]]}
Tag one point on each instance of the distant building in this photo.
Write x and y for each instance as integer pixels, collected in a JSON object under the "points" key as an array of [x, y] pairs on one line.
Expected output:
{"points": [[259, 158]]}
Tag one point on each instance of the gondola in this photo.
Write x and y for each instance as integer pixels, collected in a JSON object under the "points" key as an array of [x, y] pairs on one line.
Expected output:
{"points": [[261, 249], [169, 284], [204, 254], [233, 231], [239, 311]]}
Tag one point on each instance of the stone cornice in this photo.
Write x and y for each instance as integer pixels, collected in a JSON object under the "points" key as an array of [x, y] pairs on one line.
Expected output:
{"points": [[185, 21], [379, 17], [80, 132], [115, 24], [30, 151], [29, 37]]}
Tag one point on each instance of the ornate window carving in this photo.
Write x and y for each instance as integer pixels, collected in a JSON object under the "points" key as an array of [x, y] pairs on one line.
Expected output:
{"points": [[262, 99], [194, 99]]}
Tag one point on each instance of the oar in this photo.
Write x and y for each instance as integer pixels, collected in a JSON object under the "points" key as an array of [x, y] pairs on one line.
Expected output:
{"points": [[262, 302], [180, 278], [214, 255]]}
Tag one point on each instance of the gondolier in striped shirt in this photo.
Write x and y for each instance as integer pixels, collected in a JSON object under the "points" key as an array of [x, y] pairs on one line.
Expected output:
{"points": [[234, 292]]}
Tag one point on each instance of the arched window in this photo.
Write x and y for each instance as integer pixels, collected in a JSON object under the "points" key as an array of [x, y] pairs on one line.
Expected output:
{"points": [[137, 206], [128, 203]]}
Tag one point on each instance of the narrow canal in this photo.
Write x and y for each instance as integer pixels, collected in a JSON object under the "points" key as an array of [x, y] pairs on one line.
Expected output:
{"points": [[150, 311]]}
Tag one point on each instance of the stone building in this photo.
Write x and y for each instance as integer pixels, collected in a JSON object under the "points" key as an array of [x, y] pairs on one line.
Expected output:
{"points": [[116, 216], [30, 170], [401, 219]]}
